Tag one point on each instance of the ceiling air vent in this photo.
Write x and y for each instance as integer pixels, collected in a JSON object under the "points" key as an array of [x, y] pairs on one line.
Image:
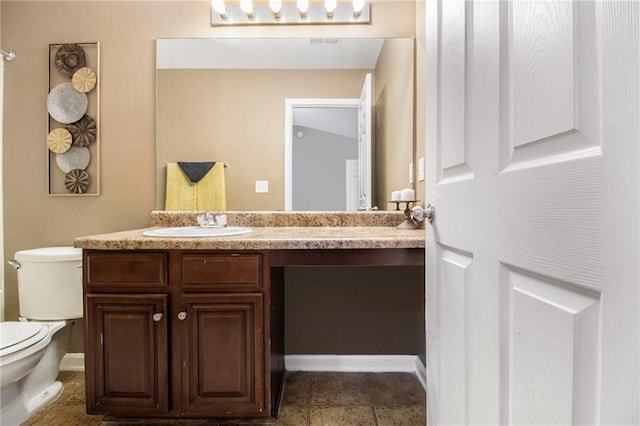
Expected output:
{"points": [[324, 42]]}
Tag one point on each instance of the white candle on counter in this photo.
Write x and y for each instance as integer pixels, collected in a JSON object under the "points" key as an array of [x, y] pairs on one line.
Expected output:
{"points": [[407, 195], [395, 196]]}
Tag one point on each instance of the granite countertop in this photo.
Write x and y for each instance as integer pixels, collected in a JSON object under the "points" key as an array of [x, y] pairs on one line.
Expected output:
{"points": [[265, 238], [272, 231]]}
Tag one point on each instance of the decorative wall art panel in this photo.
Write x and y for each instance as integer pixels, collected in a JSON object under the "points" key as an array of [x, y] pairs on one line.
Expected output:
{"points": [[73, 104]]}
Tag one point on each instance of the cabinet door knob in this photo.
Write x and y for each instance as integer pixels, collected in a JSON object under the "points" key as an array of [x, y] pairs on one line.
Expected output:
{"points": [[182, 315], [157, 317]]}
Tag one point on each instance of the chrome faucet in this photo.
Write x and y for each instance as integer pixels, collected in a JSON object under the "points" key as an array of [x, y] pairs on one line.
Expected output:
{"points": [[208, 219]]}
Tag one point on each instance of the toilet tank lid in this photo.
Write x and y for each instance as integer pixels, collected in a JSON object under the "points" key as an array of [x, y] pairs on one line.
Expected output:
{"points": [[50, 254]]}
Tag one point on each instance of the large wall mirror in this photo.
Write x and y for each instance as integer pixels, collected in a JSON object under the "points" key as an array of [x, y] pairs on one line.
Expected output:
{"points": [[289, 111]]}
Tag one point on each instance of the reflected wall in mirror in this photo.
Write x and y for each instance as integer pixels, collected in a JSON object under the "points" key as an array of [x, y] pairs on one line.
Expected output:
{"points": [[217, 101]]}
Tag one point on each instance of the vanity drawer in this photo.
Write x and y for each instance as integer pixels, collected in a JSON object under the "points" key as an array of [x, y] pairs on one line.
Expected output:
{"points": [[222, 272], [125, 271]]}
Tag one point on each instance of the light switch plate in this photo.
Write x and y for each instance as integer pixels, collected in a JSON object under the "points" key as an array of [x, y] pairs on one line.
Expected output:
{"points": [[410, 172], [421, 169], [262, 186]]}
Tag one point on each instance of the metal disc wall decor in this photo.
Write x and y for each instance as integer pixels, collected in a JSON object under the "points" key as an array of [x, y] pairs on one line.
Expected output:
{"points": [[73, 104], [59, 140], [83, 131], [84, 80], [65, 104], [77, 181], [69, 59], [75, 158]]}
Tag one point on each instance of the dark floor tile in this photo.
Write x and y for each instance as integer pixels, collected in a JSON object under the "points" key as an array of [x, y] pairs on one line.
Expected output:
{"points": [[395, 389], [339, 389], [293, 415], [310, 398], [342, 416], [297, 388], [405, 415], [63, 415]]}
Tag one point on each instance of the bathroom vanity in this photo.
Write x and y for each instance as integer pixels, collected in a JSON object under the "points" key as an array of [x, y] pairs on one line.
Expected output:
{"points": [[194, 327]]}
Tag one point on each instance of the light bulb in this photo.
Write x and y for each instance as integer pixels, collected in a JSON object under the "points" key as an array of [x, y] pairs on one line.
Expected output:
{"points": [[219, 7], [276, 8], [358, 5], [303, 7], [330, 6], [247, 7]]}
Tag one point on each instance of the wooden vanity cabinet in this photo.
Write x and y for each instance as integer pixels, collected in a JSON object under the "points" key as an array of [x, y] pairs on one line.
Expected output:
{"points": [[177, 334], [126, 350]]}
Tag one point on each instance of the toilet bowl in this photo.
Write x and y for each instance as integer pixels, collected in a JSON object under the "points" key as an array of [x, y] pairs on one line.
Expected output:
{"points": [[50, 297], [30, 355]]}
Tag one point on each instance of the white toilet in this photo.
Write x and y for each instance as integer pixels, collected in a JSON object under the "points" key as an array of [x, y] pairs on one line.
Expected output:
{"points": [[50, 297]]}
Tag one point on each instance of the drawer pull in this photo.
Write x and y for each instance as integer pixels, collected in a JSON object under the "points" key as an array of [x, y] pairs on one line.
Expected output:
{"points": [[182, 315], [157, 317]]}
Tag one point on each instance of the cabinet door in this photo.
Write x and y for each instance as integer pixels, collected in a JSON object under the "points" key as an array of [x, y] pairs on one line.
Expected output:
{"points": [[126, 354], [223, 355]]}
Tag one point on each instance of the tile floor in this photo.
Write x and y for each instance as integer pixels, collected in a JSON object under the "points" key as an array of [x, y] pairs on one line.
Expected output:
{"points": [[309, 399]]}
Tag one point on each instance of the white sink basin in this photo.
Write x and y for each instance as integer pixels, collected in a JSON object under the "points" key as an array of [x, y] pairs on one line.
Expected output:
{"points": [[196, 231]]}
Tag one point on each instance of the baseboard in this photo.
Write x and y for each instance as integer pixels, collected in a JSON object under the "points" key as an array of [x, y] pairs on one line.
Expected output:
{"points": [[421, 373], [353, 363], [72, 362], [339, 363]]}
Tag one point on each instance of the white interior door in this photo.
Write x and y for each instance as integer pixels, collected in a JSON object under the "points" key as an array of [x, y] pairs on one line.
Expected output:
{"points": [[533, 147], [1, 192], [352, 185], [364, 145]]}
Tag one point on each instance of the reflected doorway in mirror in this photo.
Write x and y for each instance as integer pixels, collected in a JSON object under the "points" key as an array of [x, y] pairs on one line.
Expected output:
{"points": [[323, 136]]}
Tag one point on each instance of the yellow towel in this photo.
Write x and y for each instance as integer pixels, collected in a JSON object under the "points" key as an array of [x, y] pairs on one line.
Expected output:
{"points": [[206, 195]]}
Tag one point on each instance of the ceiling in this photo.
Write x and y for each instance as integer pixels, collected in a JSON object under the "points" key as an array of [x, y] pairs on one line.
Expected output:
{"points": [[341, 121]]}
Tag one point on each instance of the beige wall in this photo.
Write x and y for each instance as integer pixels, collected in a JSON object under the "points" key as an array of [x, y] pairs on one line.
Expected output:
{"points": [[126, 32], [237, 116], [394, 139]]}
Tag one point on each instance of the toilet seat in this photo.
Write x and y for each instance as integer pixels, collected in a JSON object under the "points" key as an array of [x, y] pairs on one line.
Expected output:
{"points": [[16, 336]]}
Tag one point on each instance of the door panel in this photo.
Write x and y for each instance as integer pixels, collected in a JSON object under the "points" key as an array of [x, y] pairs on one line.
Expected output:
{"points": [[553, 341], [352, 185], [541, 56], [550, 88], [456, 269], [454, 163]]}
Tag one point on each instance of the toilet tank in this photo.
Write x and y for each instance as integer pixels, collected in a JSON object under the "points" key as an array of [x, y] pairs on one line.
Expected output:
{"points": [[50, 283]]}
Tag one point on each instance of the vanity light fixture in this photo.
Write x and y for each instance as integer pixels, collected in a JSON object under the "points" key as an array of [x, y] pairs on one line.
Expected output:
{"points": [[219, 7], [303, 7], [276, 8], [330, 7], [283, 12], [358, 5], [247, 7]]}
